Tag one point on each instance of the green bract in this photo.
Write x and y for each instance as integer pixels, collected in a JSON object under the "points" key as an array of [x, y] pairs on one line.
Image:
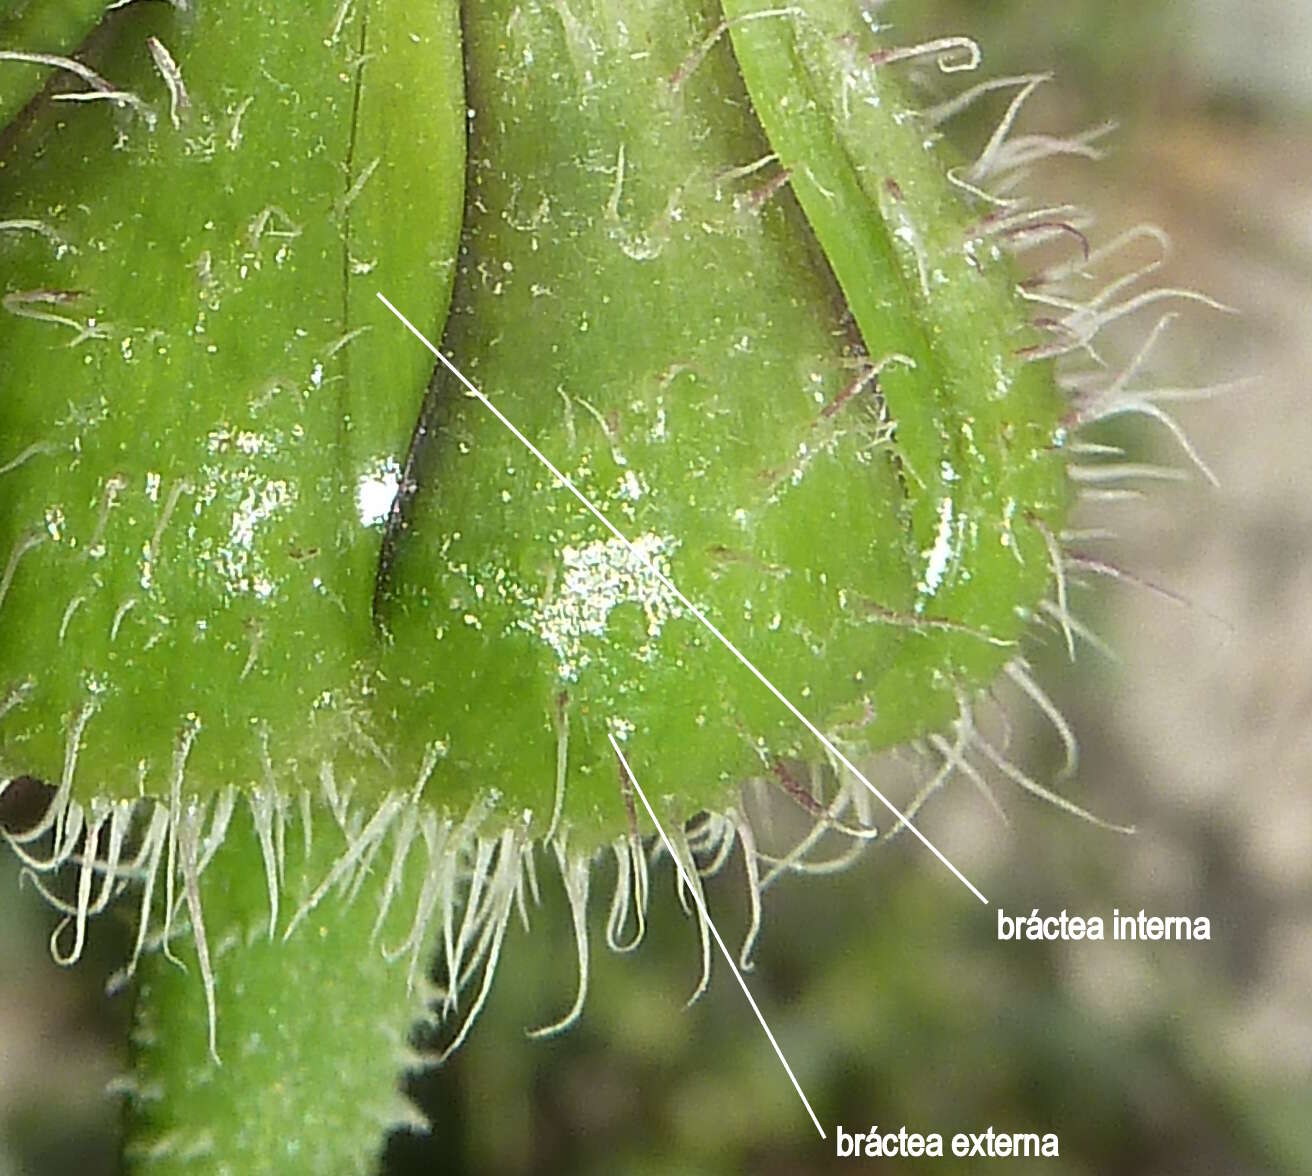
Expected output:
{"points": [[277, 626], [201, 410], [860, 505]]}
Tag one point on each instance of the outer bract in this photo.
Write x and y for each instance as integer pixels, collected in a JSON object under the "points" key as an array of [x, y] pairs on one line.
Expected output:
{"points": [[201, 414]]}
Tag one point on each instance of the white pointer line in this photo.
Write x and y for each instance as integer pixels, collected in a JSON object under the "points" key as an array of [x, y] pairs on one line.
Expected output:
{"points": [[650, 565], [696, 893]]}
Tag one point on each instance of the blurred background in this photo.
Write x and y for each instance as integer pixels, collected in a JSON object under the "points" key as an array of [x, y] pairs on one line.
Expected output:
{"points": [[885, 984]]}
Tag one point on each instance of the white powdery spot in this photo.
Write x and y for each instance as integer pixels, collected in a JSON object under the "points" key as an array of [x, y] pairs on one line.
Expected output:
{"points": [[240, 560], [938, 555], [658, 430], [258, 504], [596, 580], [630, 488], [243, 440], [376, 491]]}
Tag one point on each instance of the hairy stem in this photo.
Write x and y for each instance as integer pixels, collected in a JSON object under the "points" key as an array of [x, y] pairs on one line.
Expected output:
{"points": [[311, 1029]]}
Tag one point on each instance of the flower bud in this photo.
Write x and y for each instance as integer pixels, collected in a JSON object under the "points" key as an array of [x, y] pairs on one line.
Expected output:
{"points": [[784, 458]]}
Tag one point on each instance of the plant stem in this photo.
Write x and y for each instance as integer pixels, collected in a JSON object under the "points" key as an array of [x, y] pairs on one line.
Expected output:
{"points": [[311, 1030]]}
